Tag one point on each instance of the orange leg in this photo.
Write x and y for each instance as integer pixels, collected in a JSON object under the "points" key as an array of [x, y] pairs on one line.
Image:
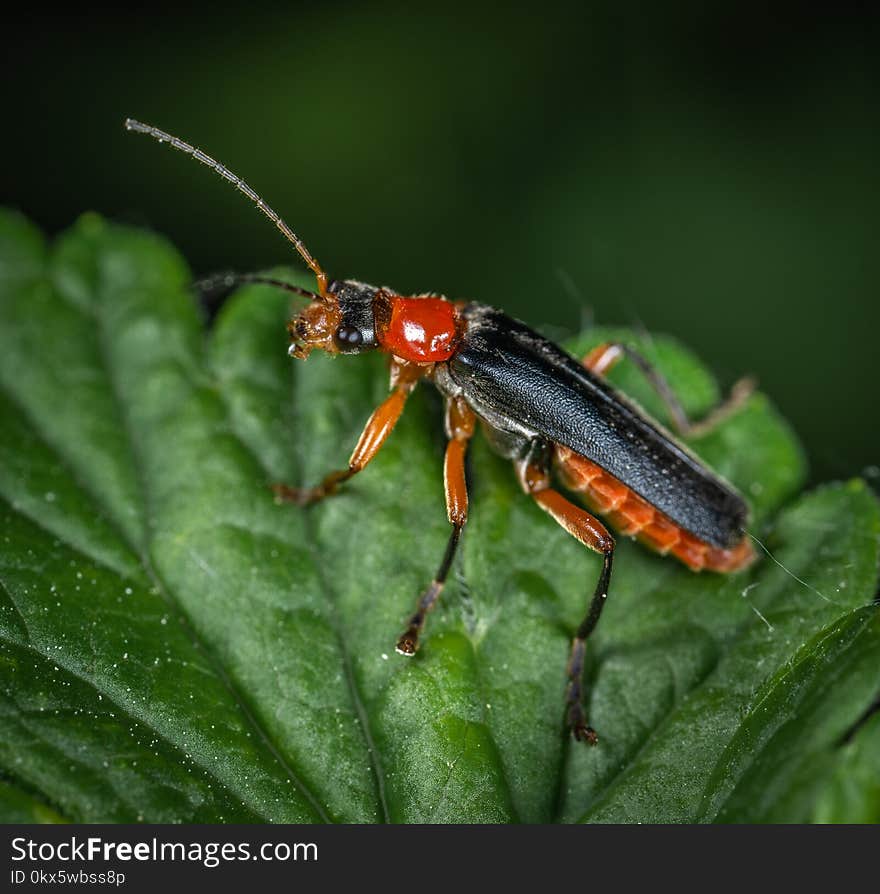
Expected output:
{"points": [[375, 432], [535, 480], [605, 356], [460, 421]]}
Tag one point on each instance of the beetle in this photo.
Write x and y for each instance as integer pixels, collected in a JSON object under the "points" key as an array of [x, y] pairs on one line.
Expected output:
{"points": [[539, 407]]}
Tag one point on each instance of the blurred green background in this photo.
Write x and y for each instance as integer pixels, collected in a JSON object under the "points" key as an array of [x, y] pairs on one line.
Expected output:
{"points": [[708, 170]]}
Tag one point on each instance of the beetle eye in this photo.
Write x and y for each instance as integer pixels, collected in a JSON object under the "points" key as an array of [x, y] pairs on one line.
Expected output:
{"points": [[349, 336]]}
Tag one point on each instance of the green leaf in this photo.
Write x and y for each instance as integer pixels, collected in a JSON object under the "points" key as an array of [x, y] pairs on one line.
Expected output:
{"points": [[174, 646], [17, 806], [852, 793]]}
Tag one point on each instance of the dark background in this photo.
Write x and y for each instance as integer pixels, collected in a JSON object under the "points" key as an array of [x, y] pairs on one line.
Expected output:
{"points": [[708, 170]]}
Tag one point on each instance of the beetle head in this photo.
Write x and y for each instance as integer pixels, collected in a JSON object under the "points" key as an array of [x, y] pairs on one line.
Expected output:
{"points": [[341, 322], [340, 317]]}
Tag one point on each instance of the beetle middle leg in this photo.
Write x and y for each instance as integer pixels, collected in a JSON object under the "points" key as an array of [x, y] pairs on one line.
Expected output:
{"points": [[534, 476], [460, 422], [605, 356], [378, 427]]}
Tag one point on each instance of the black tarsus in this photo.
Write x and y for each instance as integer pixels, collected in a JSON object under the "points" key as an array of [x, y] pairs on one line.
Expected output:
{"points": [[409, 641], [600, 594], [574, 710]]}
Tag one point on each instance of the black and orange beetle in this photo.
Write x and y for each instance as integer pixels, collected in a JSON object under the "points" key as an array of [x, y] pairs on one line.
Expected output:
{"points": [[539, 407]]}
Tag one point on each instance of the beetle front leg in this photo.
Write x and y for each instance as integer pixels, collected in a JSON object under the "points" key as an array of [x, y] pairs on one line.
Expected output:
{"points": [[375, 432], [605, 356], [535, 479], [460, 422]]}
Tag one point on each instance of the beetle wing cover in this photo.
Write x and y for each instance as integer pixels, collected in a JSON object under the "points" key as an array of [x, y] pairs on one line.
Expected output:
{"points": [[509, 373]]}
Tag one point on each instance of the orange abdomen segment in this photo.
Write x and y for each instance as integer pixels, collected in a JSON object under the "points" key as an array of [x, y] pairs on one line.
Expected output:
{"points": [[634, 516]]}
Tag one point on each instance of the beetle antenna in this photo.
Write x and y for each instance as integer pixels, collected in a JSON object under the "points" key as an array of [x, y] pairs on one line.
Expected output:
{"points": [[241, 186], [230, 280]]}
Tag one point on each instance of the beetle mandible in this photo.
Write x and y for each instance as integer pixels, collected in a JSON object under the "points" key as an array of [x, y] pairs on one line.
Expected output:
{"points": [[540, 408]]}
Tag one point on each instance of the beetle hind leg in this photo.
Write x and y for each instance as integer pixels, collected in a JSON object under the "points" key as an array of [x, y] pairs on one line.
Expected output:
{"points": [[534, 477], [575, 670], [605, 356]]}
